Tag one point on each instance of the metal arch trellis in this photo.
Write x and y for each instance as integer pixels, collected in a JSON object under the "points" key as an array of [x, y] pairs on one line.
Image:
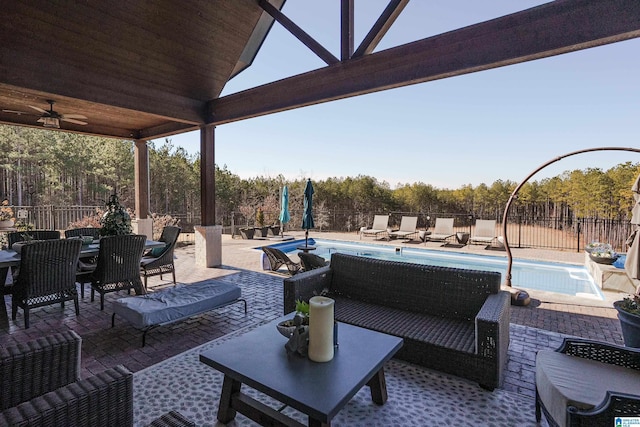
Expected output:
{"points": [[507, 281]]}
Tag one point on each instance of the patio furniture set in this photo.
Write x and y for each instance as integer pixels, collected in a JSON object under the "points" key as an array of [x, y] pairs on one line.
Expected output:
{"points": [[451, 320], [47, 269], [484, 233]]}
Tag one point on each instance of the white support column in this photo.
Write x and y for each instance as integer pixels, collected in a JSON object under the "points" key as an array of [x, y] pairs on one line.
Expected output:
{"points": [[143, 226], [208, 245]]}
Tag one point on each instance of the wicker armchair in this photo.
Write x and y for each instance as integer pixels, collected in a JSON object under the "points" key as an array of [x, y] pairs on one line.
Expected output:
{"points": [[159, 264], [19, 236], [587, 383], [40, 386], [277, 259], [47, 276], [118, 265]]}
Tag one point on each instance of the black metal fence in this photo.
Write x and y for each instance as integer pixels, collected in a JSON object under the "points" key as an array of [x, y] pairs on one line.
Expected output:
{"points": [[563, 233]]}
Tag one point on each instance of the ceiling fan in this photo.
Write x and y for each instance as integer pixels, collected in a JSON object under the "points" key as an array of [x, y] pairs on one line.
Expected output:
{"points": [[51, 118]]}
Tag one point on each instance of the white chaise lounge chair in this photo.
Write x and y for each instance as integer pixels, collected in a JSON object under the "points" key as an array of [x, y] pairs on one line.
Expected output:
{"points": [[380, 224], [485, 232], [442, 230], [408, 225]]}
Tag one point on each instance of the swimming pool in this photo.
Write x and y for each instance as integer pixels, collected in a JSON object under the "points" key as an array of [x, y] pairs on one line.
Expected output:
{"points": [[543, 276]]}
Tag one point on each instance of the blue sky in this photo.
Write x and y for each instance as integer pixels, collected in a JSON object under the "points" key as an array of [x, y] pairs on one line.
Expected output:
{"points": [[472, 129]]}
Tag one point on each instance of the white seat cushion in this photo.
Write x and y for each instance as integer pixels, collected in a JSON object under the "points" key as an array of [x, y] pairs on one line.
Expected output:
{"points": [[563, 380]]}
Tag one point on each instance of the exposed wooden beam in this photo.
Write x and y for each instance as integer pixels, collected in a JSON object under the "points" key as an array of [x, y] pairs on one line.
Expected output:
{"points": [[380, 28], [164, 130], [550, 29], [299, 33], [346, 29]]}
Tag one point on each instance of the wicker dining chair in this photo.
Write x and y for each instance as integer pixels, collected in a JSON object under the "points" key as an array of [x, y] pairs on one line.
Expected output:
{"points": [[118, 265], [159, 261], [19, 236], [86, 264], [46, 276], [82, 231]]}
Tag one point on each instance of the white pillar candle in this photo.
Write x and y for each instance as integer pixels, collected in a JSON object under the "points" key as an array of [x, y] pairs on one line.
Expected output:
{"points": [[321, 329]]}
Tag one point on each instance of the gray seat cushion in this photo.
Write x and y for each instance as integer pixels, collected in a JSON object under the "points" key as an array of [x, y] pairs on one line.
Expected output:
{"points": [[454, 334], [563, 380], [175, 303]]}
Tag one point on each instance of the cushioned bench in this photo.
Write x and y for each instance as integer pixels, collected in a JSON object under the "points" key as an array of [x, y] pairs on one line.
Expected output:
{"points": [[176, 303]]}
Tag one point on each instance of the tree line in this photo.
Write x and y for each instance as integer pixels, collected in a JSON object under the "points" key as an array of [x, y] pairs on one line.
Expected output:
{"points": [[40, 167]]}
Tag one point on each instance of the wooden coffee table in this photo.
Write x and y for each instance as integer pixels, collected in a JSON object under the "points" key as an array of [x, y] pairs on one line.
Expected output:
{"points": [[320, 390]]}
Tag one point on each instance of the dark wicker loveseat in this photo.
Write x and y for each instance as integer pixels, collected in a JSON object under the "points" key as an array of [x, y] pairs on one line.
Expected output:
{"points": [[451, 320], [40, 386]]}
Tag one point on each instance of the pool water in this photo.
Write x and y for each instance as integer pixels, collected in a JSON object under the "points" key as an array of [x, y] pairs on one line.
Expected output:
{"points": [[543, 276]]}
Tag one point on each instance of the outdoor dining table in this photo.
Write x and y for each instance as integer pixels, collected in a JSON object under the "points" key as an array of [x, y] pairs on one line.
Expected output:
{"points": [[10, 258]]}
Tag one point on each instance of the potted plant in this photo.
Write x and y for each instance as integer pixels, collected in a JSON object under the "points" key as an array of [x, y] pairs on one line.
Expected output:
{"points": [[603, 254], [629, 316], [7, 220], [260, 221], [115, 221]]}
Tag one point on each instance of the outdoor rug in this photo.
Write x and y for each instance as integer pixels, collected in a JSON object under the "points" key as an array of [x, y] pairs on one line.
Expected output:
{"points": [[417, 397]]}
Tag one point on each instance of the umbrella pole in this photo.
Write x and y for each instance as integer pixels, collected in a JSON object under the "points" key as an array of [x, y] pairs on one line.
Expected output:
{"points": [[306, 238]]}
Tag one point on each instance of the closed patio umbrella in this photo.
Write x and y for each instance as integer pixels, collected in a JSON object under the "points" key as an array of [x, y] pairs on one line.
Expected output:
{"points": [[632, 263], [307, 215], [284, 209]]}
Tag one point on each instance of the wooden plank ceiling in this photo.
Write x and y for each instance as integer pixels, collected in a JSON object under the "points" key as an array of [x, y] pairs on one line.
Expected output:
{"points": [[133, 68], [144, 70]]}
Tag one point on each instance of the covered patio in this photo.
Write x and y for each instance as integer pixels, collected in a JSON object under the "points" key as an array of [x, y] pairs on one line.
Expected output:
{"points": [[139, 74]]}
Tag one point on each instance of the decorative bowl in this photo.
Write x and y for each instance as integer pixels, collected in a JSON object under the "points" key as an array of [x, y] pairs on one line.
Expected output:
{"points": [[87, 240], [602, 259], [286, 328], [591, 246]]}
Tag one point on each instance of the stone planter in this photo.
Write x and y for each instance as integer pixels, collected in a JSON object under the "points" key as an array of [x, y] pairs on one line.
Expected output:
{"points": [[9, 223], [246, 233], [630, 325], [274, 230], [261, 232]]}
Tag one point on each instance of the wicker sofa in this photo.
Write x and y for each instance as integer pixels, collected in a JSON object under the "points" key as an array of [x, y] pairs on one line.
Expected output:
{"points": [[451, 320], [40, 386]]}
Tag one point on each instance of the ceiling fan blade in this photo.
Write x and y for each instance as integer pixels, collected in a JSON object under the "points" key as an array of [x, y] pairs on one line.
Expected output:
{"points": [[17, 112], [40, 110], [73, 116], [78, 122]]}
